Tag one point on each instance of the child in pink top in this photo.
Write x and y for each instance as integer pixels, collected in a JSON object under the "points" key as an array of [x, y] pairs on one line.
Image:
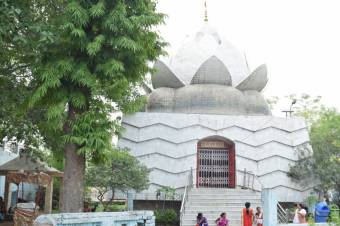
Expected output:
{"points": [[222, 220]]}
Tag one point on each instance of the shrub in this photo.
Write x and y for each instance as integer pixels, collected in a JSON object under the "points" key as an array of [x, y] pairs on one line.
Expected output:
{"points": [[167, 217], [115, 208]]}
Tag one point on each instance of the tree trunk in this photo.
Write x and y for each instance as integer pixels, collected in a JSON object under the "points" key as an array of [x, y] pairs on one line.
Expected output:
{"points": [[73, 190], [74, 171]]}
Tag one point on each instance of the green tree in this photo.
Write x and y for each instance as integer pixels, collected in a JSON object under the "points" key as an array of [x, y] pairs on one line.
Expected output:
{"points": [[79, 61], [22, 34], [307, 106], [100, 53], [323, 164], [123, 172], [272, 101]]}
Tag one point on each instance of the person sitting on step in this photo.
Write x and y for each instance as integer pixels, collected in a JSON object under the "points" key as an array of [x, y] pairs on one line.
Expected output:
{"points": [[201, 221]]}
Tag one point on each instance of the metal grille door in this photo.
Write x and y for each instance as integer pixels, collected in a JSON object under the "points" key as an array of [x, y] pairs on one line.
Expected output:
{"points": [[213, 168]]}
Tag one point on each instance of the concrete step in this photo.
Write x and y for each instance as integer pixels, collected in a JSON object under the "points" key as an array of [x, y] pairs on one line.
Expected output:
{"points": [[231, 223], [224, 197], [222, 190], [206, 200], [210, 215], [212, 209], [211, 222], [225, 194], [211, 202], [217, 207], [214, 217]]}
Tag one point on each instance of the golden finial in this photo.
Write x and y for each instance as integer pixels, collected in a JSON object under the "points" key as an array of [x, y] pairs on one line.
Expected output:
{"points": [[205, 12]]}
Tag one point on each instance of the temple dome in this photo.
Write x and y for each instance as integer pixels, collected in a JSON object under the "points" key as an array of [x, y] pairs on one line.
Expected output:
{"points": [[212, 71], [198, 49], [208, 76]]}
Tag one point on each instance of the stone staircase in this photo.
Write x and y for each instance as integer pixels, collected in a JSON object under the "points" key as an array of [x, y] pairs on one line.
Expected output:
{"points": [[213, 201]]}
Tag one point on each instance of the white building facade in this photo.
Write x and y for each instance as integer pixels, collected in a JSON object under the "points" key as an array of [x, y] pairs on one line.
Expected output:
{"points": [[206, 115]]}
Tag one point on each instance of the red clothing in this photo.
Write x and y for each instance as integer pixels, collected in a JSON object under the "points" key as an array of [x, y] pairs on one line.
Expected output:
{"points": [[247, 219], [259, 219]]}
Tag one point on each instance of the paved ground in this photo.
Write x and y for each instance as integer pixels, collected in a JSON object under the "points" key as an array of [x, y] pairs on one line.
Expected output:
{"points": [[6, 223]]}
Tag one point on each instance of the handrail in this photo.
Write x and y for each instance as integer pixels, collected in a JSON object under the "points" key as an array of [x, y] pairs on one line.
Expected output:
{"points": [[185, 195], [184, 200], [282, 215], [249, 178]]}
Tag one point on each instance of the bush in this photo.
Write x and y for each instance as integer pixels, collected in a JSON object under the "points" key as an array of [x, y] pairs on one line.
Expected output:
{"points": [[116, 208], [100, 208], [167, 217]]}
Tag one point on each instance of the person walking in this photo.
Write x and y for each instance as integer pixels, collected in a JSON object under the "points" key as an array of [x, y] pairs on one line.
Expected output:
{"points": [[222, 220], [296, 214], [247, 216], [299, 214], [302, 214], [200, 220], [258, 216]]}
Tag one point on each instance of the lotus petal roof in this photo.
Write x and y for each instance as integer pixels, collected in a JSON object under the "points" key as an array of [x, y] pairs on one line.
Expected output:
{"points": [[199, 48]]}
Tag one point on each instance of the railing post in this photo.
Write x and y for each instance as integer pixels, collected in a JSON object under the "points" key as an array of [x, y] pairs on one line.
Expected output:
{"points": [[269, 205], [191, 178], [252, 185], [129, 201], [244, 178]]}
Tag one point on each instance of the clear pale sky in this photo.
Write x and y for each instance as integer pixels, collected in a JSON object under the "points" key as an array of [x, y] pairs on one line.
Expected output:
{"points": [[299, 40]]}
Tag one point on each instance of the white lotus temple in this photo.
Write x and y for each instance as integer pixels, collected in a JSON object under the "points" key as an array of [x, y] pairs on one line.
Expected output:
{"points": [[206, 114]]}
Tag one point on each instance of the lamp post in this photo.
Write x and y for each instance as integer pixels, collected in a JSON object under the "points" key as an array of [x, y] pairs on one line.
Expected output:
{"points": [[290, 109]]}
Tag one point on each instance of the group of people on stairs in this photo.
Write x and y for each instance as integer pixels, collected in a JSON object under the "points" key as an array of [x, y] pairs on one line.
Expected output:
{"points": [[247, 217]]}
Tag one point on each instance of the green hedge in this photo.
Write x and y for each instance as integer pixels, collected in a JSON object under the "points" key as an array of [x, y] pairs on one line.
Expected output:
{"points": [[166, 217]]}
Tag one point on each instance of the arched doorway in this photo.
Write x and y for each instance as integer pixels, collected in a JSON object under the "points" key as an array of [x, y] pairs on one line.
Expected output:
{"points": [[215, 163]]}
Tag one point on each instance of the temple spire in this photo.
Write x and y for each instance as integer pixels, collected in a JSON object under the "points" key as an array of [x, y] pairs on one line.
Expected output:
{"points": [[205, 12]]}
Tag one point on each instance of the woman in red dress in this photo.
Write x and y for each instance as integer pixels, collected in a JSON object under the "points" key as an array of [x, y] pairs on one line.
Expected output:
{"points": [[247, 215]]}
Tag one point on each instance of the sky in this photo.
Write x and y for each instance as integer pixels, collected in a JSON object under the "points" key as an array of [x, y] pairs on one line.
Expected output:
{"points": [[299, 40]]}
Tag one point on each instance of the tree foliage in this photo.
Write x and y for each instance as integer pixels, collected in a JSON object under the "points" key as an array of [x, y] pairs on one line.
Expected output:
{"points": [[323, 164], [272, 101], [74, 63], [122, 173], [319, 161], [307, 106], [21, 29], [98, 56]]}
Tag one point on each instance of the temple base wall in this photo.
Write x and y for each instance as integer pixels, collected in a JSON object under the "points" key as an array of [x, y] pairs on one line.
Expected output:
{"points": [[265, 145]]}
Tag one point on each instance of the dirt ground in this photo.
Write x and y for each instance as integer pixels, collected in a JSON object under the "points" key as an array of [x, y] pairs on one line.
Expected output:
{"points": [[6, 223]]}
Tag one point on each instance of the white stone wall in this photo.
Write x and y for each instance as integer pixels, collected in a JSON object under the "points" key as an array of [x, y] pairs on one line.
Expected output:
{"points": [[5, 156], [265, 145]]}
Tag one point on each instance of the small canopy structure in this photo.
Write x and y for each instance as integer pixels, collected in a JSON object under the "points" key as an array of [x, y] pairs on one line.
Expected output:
{"points": [[25, 169]]}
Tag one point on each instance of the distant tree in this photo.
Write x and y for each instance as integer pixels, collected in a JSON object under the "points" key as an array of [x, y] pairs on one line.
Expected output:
{"points": [[124, 172], [307, 106], [323, 164], [272, 101]]}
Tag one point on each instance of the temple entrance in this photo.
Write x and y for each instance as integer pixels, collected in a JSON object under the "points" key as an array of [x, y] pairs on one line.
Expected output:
{"points": [[215, 163]]}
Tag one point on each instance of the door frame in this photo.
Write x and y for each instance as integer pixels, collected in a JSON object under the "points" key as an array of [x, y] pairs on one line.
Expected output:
{"points": [[228, 145]]}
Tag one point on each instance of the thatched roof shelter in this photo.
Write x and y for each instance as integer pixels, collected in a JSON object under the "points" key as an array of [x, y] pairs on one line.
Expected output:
{"points": [[25, 169], [24, 163]]}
